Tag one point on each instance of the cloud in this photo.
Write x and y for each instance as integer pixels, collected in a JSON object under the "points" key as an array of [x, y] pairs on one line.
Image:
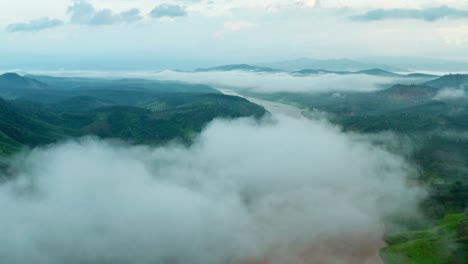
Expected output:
{"points": [[82, 12], [168, 10], [450, 94], [35, 25], [280, 191], [232, 26], [280, 82], [427, 14], [455, 35]]}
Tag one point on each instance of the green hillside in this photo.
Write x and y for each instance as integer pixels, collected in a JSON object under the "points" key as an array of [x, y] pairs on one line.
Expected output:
{"points": [[19, 127], [140, 112], [445, 242]]}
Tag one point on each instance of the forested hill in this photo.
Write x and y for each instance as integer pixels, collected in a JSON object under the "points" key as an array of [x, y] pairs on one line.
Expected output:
{"points": [[44, 111]]}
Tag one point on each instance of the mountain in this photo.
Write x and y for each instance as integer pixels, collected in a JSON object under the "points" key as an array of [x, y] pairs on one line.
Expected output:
{"points": [[79, 104], [12, 84], [49, 90], [239, 67], [125, 84], [311, 71], [37, 125], [409, 92], [305, 67], [331, 65], [13, 80], [450, 81], [183, 120], [319, 71], [19, 127], [140, 111], [379, 72], [373, 72], [422, 75], [423, 63], [228, 106]]}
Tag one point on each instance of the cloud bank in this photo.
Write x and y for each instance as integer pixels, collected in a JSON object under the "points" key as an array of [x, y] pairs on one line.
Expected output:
{"points": [[280, 82], [232, 26], [34, 25], [282, 191], [168, 10], [450, 94], [82, 12], [427, 14]]}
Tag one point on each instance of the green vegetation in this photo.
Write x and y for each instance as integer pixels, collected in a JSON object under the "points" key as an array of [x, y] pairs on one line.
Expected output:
{"points": [[139, 111], [442, 243]]}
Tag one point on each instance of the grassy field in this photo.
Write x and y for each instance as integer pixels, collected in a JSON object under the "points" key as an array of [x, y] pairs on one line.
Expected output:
{"points": [[442, 243]]}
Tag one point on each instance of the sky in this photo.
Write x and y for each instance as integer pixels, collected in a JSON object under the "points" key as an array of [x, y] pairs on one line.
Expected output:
{"points": [[182, 34]]}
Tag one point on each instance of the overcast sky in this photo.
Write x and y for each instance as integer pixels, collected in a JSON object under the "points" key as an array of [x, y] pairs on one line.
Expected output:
{"points": [[194, 33]]}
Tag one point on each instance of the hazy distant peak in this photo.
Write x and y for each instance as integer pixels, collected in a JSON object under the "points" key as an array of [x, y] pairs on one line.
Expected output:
{"points": [[238, 67], [10, 81], [450, 81], [380, 72], [11, 76], [328, 64]]}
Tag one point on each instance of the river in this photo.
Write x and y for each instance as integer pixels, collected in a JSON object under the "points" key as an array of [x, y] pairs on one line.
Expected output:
{"points": [[273, 107], [364, 251]]}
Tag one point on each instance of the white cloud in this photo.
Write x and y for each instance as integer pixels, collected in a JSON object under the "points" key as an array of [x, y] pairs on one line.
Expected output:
{"points": [[233, 26], [168, 10], [454, 35], [285, 191], [280, 82], [83, 12], [34, 25], [450, 94]]}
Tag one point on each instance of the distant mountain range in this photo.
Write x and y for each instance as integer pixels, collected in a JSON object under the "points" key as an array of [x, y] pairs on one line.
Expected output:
{"points": [[239, 67], [307, 72], [332, 65]]}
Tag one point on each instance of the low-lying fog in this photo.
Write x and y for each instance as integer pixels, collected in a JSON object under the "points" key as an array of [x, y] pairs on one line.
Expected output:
{"points": [[281, 82], [287, 190], [256, 82]]}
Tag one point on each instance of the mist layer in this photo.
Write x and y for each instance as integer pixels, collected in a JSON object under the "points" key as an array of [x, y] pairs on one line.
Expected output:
{"points": [[272, 191]]}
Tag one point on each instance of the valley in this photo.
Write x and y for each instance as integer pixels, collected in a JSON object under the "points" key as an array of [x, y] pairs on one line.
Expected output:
{"points": [[432, 129], [234, 132], [43, 110]]}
